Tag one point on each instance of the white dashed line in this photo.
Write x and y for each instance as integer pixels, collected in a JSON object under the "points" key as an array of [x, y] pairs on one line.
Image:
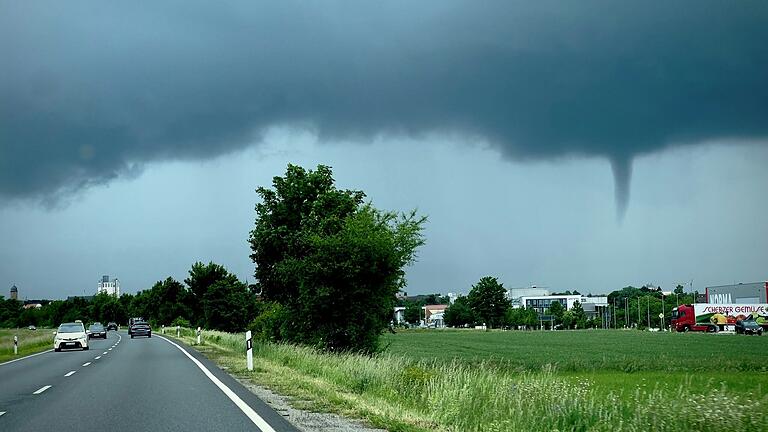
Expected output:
{"points": [[109, 349], [1, 413], [103, 353], [42, 389], [97, 357], [86, 364], [70, 373]]}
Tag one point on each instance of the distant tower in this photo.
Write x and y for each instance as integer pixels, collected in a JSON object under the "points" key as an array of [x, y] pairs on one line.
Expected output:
{"points": [[14, 293]]}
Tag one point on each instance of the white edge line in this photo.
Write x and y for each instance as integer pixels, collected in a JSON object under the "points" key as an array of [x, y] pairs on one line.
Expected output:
{"points": [[70, 373], [42, 389], [244, 407], [26, 357]]}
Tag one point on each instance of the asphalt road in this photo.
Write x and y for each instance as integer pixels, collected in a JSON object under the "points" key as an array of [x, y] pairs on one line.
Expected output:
{"points": [[124, 384]]}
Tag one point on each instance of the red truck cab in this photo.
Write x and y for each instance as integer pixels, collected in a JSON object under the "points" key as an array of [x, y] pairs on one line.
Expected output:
{"points": [[684, 319]]}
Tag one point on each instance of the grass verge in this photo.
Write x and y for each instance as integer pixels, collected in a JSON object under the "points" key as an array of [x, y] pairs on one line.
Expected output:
{"points": [[405, 393], [30, 342]]}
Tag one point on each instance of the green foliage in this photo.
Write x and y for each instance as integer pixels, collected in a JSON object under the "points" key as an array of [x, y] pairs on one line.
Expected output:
{"points": [[488, 301], [332, 262], [556, 309], [270, 323], [412, 313], [460, 314], [579, 316], [522, 317], [181, 322], [226, 305]]}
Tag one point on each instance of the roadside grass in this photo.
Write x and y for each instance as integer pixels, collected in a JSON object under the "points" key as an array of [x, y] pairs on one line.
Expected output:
{"points": [[410, 390], [30, 342]]}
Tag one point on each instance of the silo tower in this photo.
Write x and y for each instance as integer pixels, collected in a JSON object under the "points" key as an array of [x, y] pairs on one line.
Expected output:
{"points": [[14, 293]]}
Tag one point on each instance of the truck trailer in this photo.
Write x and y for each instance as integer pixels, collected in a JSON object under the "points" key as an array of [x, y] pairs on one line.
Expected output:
{"points": [[711, 317]]}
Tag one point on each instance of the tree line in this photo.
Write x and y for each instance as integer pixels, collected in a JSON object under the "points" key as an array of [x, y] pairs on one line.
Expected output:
{"points": [[210, 297]]}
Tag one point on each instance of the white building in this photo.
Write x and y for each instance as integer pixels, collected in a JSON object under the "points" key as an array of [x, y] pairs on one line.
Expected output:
{"points": [[110, 287], [541, 303]]}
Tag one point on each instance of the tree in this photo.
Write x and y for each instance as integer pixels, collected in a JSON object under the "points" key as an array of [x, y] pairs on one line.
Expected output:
{"points": [[201, 277], [488, 301], [412, 313], [579, 316], [459, 313], [225, 305], [679, 289], [556, 309], [332, 262]]}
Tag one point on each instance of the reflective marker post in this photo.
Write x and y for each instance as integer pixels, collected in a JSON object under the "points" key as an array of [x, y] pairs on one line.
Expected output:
{"points": [[163, 328], [178, 331], [249, 350], [15, 345], [199, 330]]}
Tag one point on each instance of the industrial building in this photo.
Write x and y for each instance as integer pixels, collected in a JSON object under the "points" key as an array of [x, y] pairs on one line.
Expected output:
{"points": [[755, 292]]}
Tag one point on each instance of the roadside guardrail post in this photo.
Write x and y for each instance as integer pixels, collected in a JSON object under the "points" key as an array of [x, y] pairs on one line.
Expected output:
{"points": [[199, 331], [15, 345], [249, 350]]}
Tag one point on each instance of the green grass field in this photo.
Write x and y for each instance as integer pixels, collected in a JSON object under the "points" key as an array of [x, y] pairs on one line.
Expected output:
{"points": [[456, 380], [30, 342]]}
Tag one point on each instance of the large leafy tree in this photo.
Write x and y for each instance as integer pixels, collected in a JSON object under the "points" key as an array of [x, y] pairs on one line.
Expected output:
{"points": [[332, 262], [459, 313], [201, 277], [488, 300]]}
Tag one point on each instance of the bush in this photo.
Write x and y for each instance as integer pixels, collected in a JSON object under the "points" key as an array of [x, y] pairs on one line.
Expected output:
{"points": [[270, 322], [179, 321]]}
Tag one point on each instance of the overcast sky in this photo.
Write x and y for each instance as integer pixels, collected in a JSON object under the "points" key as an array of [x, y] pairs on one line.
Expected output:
{"points": [[586, 145]]}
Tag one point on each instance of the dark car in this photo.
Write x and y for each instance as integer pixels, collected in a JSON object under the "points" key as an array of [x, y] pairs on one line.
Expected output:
{"points": [[96, 330], [132, 321], [748, 326], [140, 328], [112, 326]]}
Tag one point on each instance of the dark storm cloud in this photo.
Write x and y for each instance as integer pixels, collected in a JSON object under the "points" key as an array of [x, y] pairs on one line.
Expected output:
{"points": [[91, 91]]}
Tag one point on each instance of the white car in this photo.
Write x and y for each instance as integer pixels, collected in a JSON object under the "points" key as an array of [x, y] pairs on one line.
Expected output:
{"points": [[70, 335]]}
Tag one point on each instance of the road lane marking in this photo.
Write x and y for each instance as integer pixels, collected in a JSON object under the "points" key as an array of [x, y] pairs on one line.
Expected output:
{"points": [[244, 407], [104, 353], [97, 357], [109, 349], [1, 413], [70, 373], [86, 364], [42, 389], [26, 357]]}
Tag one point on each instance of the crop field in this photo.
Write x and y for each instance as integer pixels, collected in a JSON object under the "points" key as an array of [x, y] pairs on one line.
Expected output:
{"points": [[30, 341], [457, 380]]}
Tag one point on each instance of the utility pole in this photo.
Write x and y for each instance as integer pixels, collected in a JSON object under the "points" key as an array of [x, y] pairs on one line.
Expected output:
{"points": [[649, 311], [626, 312]]}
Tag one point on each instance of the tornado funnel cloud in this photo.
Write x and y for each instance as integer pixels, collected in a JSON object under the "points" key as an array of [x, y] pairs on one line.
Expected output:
{"points": [[622, 175]]}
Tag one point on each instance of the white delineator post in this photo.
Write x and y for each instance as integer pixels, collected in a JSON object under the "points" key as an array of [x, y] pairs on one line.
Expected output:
{"points": [[199, 330], [249, 350], [163, 328], [178, 331], [15, 345]]}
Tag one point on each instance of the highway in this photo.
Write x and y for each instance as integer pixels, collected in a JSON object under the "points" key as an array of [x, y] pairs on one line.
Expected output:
{"points": [[124, 384]]}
